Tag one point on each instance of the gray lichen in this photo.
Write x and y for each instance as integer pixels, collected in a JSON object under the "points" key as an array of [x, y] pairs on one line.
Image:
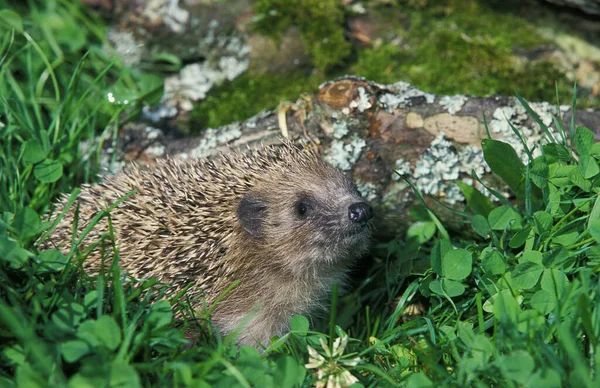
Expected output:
{"points": [[214, 138], [191, 84], [157, 113], [403, 92], [363, 102], [367, 190], [471, 159], [195, 80], [403, 169], [436, 172], [167, 11], [253, 121], [156, 150], [125, 46], [152, 133], [438, 165], [533, 136], [340, 129], [453, 104], [342, 155]]}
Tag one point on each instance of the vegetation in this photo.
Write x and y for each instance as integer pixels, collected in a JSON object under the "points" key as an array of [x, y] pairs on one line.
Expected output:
{"points": [[248, 92], [55, 93], [514, 301], [471, 40], [320, 23]]}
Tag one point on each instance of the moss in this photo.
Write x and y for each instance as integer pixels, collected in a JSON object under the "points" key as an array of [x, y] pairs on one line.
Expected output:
{"points": [[382, 64], [466, 49], [320, 23], [449, 47], [476, 18], [249, 94], [481, 67]]}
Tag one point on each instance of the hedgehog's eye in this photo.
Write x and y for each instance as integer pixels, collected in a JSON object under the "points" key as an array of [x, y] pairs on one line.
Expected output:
{"points": [[302, 209]]}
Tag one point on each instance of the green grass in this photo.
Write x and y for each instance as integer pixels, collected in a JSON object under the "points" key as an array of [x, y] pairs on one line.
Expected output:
{"points": [[53, 93], [512, 301]]}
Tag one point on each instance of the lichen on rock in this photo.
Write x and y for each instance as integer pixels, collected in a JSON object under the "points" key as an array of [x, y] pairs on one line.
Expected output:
{"points": [[343, 155], [453, 104], [195, 80], [214, 138], [363, 102], [401, 98], [440, 166], [516, 115], [125, 46]]}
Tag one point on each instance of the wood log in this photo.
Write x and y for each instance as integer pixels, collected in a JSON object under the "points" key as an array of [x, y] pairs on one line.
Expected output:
{"points": [[378, 133]]}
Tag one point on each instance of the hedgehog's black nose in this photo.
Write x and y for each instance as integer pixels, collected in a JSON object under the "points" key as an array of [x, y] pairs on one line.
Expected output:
{"points": [[360, 212]]}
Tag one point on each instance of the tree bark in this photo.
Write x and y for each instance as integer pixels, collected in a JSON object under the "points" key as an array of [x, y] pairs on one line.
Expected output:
{"points": [[377, 133]]}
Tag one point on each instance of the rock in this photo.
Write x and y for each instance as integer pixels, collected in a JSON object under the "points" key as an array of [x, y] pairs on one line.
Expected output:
{"points": [[284, 55], [378, 133], [198, 44], [588, 6]]}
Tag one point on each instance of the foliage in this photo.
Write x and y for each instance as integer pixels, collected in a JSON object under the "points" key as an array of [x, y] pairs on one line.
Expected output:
{"points": [[245, 92], [320, 23], [513, 301], [421, 42], [470, 41], [53, 99]]}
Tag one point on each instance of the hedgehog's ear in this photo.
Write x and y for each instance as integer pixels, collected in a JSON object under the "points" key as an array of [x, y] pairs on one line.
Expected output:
{"points": [[251, 212]]}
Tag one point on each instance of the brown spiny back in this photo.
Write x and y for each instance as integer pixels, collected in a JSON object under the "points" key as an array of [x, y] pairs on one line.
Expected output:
{"points": [[214, 222]]}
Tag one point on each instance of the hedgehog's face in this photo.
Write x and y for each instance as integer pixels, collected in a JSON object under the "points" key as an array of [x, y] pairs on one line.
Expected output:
{"points": [[308, 218]]}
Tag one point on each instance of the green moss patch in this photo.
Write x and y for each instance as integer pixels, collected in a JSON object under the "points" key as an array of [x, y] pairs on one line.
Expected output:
{"points": [[249, 94], [320, 23], [449, 47], [468, 49]]}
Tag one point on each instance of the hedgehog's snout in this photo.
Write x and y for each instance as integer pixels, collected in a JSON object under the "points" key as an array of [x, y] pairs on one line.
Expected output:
{"points": [[360, 212]]}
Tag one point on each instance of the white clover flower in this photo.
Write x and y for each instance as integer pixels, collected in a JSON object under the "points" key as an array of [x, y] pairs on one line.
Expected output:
{"points": [[330, 368]]}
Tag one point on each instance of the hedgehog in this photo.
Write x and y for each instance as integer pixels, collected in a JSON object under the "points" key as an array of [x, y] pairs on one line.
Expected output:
{"points": [[277, 221]]}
